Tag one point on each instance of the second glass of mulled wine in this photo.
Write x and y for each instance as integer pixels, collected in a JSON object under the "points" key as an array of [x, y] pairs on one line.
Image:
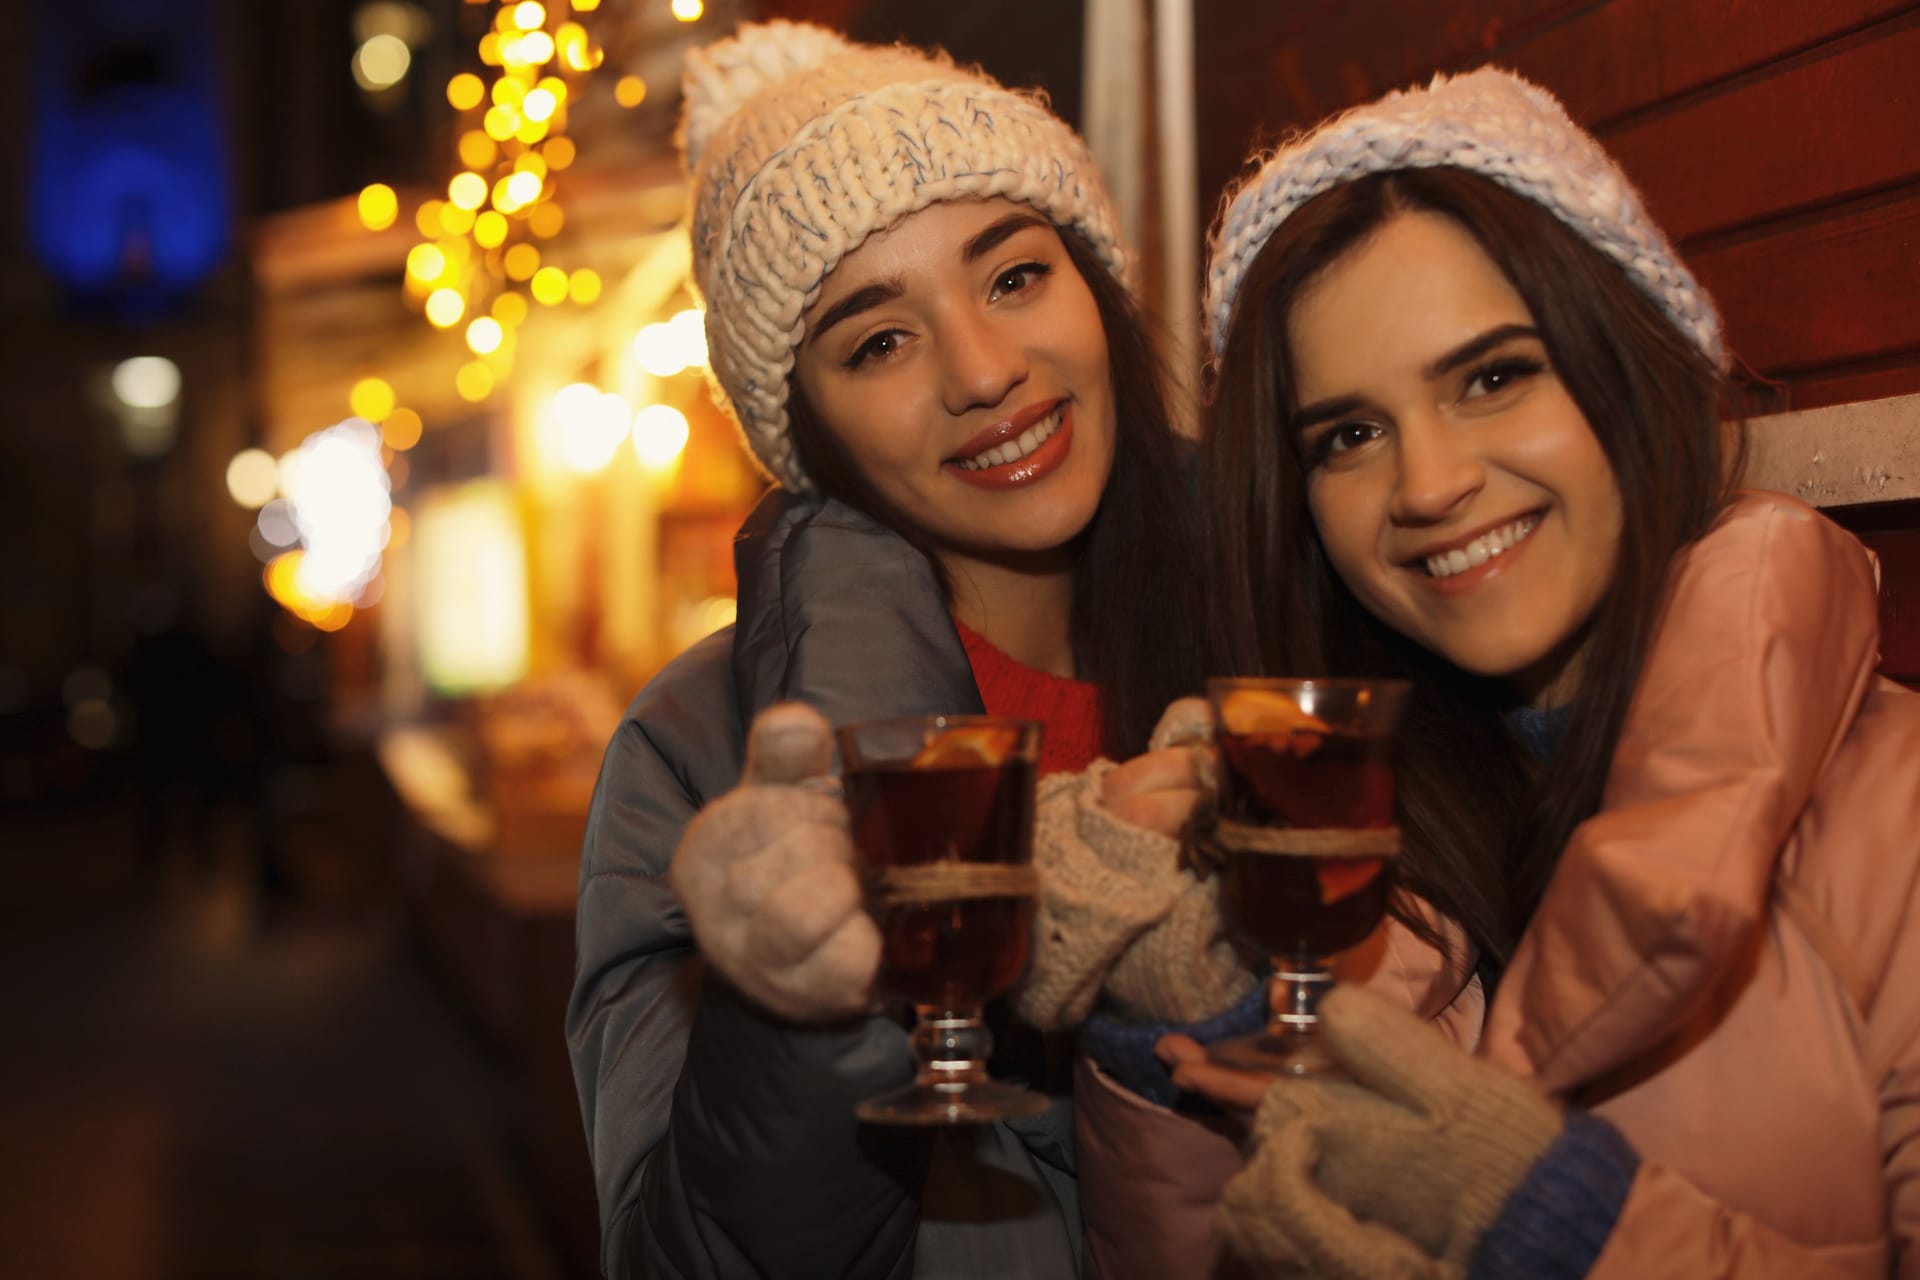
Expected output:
{"points": [[1306, 834], [941, 809]]}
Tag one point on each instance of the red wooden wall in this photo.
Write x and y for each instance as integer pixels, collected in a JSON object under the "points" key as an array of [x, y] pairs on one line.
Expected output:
{"points": [[1778, 142]]}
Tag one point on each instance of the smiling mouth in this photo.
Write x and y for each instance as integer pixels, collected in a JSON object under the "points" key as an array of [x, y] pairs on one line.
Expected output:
{"points": [[1018, 447], [1488, 546]]}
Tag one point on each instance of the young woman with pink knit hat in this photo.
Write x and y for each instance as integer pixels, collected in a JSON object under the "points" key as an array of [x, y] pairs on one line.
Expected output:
{"points": [[916, 312], [1467, 432]]}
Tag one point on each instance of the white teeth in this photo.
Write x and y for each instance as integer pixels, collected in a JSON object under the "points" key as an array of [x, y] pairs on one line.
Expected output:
{"points": [[1019, 447], [1482, 549]]}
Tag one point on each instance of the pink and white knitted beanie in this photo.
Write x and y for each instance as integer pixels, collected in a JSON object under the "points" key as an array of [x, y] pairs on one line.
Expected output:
{"points": [[1495, 124], [799, 145]]}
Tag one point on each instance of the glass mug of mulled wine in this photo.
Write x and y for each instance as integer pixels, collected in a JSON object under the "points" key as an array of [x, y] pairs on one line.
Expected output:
{"points": [[941, 811], [1304, 840]]}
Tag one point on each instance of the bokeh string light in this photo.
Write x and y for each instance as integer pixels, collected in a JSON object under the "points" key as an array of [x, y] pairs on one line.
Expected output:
{"points": [[477, 264]]}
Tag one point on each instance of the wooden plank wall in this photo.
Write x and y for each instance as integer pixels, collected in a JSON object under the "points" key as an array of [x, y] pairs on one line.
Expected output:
{"points": [[1778, 142]]}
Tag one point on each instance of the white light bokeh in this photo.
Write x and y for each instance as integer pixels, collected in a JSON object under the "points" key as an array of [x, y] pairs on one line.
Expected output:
{"points": [[253, 477], [146, 382], [660, 434]]}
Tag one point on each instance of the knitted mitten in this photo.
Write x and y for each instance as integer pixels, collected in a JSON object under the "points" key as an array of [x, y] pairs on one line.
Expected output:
{"points": [[1119, 913], [1397, 1170]]}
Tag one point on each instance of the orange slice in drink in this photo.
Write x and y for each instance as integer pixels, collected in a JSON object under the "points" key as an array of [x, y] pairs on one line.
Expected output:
{"points": [[1341, 877], [1246, 712], [972, 746]]}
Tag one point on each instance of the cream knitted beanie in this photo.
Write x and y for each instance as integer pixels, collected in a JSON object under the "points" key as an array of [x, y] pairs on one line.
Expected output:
{"points": [[1490, 122], [799, 145]]}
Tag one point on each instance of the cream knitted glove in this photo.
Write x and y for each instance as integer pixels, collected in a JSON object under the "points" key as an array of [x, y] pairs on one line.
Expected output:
{"points": [[1119, 913], [1394, 1172], [766, 876]]}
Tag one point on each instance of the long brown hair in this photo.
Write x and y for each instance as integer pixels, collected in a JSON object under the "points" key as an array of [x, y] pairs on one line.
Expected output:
{"points": [[1136, 605], [1485, 823]]}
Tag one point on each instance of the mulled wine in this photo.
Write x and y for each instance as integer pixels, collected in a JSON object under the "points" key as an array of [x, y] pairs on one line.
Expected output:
{"points": [[950, 952]]}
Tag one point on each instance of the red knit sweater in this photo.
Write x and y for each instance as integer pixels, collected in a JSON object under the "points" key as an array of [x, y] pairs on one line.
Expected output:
{"points": [[1068, 710]]}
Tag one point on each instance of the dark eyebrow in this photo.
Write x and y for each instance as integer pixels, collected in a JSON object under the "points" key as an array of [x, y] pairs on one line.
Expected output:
{"points": [[854, 303], [997, 234], [1466, 353], [1472, 349]]}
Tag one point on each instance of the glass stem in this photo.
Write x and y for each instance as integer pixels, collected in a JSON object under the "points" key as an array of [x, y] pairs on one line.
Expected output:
{"points": [[951, 1047], [1294, 995]]}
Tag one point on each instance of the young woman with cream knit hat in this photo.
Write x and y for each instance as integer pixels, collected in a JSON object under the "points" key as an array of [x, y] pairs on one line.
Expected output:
{"points": [[1467, 433], [916, 312]]}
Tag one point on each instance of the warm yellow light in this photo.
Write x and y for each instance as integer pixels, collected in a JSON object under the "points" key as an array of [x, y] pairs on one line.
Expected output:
{"points": [[445, 307], [585, 6], [531, 131], [490, 230], [658, 350], [474, 382], [467, 190], [523, 188], [630, 91], [464, 91], [522, 261], [550, 286], [381, 62], [372, 399], [483, 335], [477, 150], [546, 221], [378, 206], [509, 91], [583, 286], [509, 308], [531, 162], [529, 15], [660, 434], [576, 50], [688, 10], [253, 477], [400, 432], [426, 219], [490, 49], [454, 220], [500, 122], [503, 20], [555, 86], [470, 576], [425, 262], [535, 49], [558, 153], [400, 529], [539, 105]]}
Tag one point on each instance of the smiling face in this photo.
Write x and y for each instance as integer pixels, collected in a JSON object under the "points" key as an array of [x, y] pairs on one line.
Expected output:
{"points": [[960, 361], [1458, 489]]}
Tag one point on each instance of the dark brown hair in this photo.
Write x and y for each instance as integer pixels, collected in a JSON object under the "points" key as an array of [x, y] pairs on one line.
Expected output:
{"points": [[1485, 824], [1136, 604]]}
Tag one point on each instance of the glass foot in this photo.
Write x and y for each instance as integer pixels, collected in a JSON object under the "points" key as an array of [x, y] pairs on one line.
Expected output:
{"points": [[967, 1102], [1283, 1053]]}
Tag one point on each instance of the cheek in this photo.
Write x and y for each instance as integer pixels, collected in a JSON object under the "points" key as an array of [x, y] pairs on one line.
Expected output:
{"points": [[1347, 530]]}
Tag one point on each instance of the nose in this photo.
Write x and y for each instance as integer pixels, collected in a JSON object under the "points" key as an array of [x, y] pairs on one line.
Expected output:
{"points": [[1438, 469], [985, 360]]}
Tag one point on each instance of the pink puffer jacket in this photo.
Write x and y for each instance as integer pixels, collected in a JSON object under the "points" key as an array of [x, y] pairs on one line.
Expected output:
{"points": [[1726, 964]]}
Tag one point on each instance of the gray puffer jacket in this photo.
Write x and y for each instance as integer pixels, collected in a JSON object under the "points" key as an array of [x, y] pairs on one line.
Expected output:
{"points": [[723, 1140]]}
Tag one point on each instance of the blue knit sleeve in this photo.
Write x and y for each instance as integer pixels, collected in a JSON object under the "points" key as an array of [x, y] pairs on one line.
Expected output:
{"points": [[1124, 1050], [1558, 1219]]}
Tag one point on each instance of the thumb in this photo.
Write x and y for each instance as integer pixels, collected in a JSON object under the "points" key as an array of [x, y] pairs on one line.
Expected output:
{"points": [[788, 742], [1385, 1048], [1185, 721]]}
